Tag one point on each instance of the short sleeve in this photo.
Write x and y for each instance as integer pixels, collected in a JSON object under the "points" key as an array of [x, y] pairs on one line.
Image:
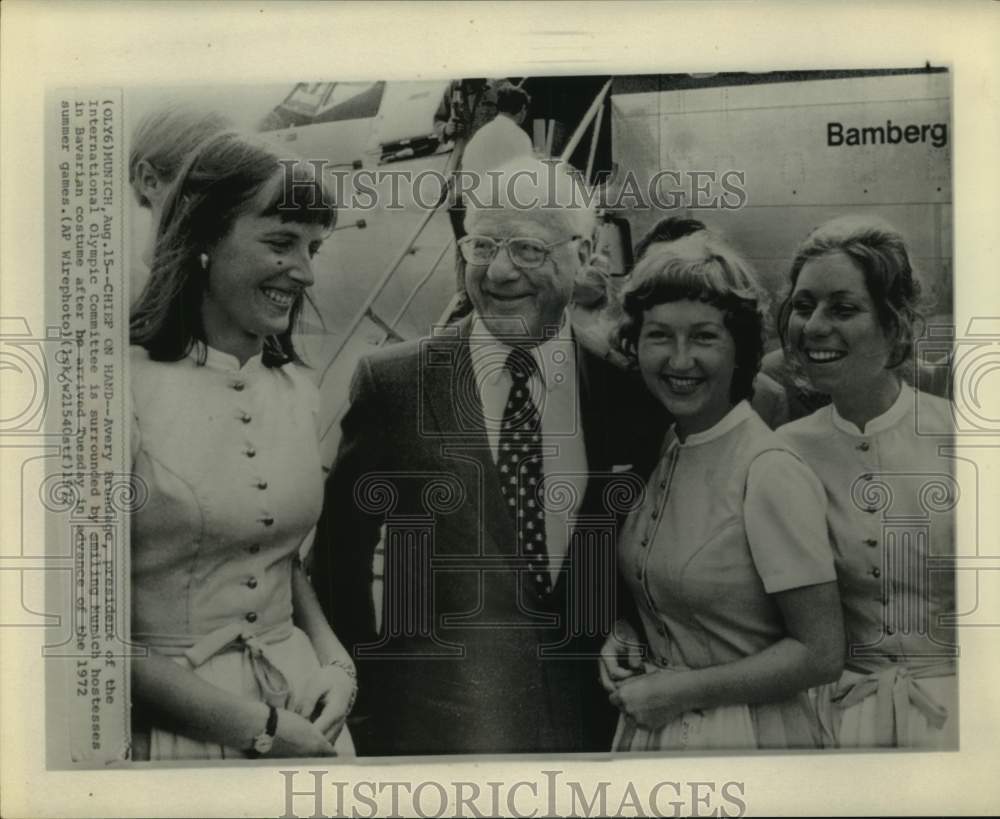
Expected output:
{"points": [[786, 523]]}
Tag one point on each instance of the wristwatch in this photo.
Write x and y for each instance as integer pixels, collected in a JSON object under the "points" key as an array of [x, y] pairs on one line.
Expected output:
{"points": [[265, 739]]}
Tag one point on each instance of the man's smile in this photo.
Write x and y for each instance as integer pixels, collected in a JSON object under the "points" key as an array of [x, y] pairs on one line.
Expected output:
{"points": [[509, 297]]}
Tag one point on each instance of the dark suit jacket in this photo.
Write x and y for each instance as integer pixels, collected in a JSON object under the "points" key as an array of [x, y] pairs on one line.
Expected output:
{"points": [[470, 659]]}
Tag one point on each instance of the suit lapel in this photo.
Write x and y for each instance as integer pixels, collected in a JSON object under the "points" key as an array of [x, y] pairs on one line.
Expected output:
{"points": [[594, 398], [448, 382], [591, 407], [598, 396], [454, 401]]}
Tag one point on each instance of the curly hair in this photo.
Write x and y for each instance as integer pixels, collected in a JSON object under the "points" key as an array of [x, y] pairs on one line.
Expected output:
{"points": [[700, 267], [879, 252], [217, 185]]}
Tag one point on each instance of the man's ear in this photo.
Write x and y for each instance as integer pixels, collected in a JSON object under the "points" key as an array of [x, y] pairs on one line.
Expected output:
{"points": [[583, 252], [148, 184]]}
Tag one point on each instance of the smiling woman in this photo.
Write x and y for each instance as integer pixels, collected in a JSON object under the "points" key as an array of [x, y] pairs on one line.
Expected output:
{"points": [[256, 274], [241, 661], [240, 219], [727, 557], [849, 321]]}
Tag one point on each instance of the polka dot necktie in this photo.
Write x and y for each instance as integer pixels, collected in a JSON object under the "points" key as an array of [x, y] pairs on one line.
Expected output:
{"points": [[519, 460]]}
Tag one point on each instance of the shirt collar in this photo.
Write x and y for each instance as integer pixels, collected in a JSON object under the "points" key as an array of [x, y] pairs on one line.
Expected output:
{"points": [[555, 357], [886, 420], [218, 360], [732, 419]]}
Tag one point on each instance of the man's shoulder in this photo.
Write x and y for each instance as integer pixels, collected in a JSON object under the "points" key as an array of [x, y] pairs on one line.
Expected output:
{"points": [[511, 132], [625, 397], [408, 357], [599, 366], [486, 129]]}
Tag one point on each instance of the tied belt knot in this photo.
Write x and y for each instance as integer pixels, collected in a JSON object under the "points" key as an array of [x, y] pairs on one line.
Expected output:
{"points": [[896, 687], [236, 636]]}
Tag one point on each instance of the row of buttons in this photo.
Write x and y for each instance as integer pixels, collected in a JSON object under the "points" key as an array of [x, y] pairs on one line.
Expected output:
{"points": [[244, 417], [268, 520], [644, 543], [251, 616], [875, 571], [650, 527], [251, 452], [252, 583], [863, 446]]}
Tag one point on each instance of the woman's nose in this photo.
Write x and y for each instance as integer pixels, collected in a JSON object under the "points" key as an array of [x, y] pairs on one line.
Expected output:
{"points": [[816, 324], [680, 356], [301, 270]]}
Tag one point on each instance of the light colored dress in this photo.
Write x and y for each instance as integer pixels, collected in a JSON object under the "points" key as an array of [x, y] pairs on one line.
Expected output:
{"points": [[730, 517], [891, 495], [229, 458]]}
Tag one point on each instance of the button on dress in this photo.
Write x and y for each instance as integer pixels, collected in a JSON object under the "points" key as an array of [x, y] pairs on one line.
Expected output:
{"points": [[228, 459], [892, 498], [730, 517]]}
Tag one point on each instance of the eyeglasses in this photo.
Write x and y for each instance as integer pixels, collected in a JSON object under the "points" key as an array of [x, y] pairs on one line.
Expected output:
{"points": [[524, 252]]}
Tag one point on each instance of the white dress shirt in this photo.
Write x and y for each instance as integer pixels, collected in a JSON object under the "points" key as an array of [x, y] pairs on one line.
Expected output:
{"points": [[555, 393]]}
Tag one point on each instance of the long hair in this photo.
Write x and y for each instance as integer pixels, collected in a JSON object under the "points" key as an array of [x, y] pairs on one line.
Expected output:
{"points": [[700, 267], [879, 252], [216, 185]]}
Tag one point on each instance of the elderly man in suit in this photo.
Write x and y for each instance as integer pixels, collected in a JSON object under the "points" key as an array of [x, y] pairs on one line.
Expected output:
{"points": [[496, 460]]}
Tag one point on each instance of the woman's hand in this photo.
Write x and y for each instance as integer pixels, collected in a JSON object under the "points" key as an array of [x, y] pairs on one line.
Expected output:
{"points": [[650, 699], [621, 656], [328, 694], [297, 736], [326, 699]]}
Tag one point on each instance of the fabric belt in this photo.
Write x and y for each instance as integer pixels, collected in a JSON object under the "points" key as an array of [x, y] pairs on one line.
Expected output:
{"points": [[236, 636], [895, 687]]}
